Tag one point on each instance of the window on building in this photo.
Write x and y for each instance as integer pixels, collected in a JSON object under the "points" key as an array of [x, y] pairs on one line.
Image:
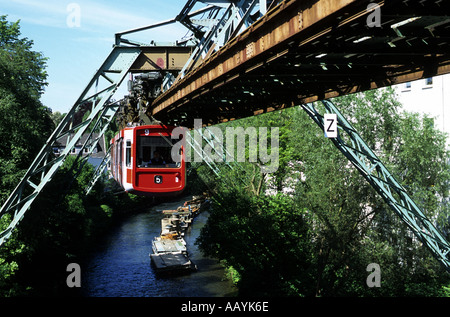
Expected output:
{"points": [[428, 82], [406, 87]]}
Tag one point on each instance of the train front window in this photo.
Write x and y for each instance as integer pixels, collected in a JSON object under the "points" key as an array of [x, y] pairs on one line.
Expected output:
{"points": [[155, 152]]}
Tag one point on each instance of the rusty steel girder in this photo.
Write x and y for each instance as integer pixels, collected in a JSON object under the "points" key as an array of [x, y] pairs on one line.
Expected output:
{"points": [[302, 51]]}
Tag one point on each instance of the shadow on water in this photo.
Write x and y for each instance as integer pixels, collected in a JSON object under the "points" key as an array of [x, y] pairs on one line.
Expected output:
{"points": [[120, 264]]}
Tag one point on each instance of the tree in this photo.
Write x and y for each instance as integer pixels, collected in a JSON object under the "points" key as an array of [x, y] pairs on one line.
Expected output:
{"points": [[341, 224], [57, 117], [257, 234], [263, 239], [62, 222], [24, 125], [415, 153], [25, 122], [23, 69]]}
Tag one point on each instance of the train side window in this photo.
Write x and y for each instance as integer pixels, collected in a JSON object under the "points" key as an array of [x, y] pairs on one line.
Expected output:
{"points": [[120, 156], [128, 153]]}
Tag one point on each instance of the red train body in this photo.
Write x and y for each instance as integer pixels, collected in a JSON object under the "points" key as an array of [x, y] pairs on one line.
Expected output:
{"points": [[142, 163]]}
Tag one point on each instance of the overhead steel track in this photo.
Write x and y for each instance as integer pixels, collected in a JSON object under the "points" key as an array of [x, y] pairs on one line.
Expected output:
{"points": [[302, 51]]}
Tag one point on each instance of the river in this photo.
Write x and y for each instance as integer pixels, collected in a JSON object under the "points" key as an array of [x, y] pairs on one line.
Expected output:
{"points": [[119, 265]]}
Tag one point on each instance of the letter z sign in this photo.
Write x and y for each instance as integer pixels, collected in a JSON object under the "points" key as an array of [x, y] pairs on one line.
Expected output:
{"points": [[330, 125]]}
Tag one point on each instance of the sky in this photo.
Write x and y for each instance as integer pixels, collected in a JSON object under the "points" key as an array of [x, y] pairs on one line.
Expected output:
{"points": [[77, 36]]}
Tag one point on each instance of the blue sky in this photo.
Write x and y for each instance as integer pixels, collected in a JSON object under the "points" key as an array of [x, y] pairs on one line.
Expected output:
{"points": [[76, 52]]}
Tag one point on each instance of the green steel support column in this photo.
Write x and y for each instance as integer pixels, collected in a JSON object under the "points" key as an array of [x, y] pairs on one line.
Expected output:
{"points": [[198, 148], [369, 165], [101, 125], [99, 170], [95, 99]]}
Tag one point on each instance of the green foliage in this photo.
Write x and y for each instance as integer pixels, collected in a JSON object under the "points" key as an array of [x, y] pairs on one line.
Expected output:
{"points": [[57, 230], [57, 117], [8, 269], [111, 132], [232, 274], [314, 225], [22, 68], [24, 126], [25, 122], [445, 291], [107, 210], [259, 237], [62, 222]]}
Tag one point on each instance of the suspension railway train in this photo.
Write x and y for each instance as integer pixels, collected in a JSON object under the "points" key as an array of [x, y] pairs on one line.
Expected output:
{"points": [[142, 163]]}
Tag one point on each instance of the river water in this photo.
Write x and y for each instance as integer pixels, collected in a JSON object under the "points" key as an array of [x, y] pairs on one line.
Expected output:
{"points": [[119, 266]]}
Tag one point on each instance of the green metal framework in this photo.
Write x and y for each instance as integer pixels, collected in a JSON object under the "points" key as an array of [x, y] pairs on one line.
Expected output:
{"points": [[94, 110], [94, 100], [225, 20], [196, 143], [100, 170], [369, 165]]}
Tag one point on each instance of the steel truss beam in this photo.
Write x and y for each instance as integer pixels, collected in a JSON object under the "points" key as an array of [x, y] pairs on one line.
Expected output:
{"points": [[370, 166], [224, 20], [94, 103], [196, 143], [99, 171], [324, 46]]}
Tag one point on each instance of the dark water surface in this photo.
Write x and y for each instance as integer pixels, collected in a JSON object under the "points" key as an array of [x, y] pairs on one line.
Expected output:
{"points": [[120, 264]]}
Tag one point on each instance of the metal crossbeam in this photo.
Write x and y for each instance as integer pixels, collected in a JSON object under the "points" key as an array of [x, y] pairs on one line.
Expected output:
{"points": [[221, 31], [198, 148], [212, 27], [373, 170], [224, 20], [95, 99], [97, 133]]}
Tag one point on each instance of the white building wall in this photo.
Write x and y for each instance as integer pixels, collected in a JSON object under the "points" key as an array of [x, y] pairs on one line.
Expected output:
{"points": [[430, 96]]}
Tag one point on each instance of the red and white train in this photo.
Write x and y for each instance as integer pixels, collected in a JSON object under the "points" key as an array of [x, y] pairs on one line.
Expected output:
{"points": [[141, 161]]}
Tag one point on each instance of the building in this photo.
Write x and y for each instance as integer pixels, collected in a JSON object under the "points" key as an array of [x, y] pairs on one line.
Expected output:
{"points": [[98, 152], [429, 96]]}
